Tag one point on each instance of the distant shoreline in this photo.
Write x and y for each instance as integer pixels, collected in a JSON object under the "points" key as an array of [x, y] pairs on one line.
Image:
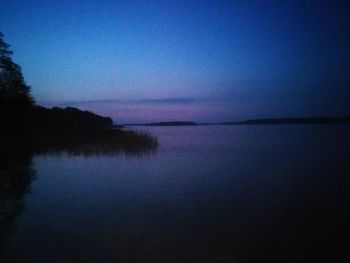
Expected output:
{"points": [[269, 121]]}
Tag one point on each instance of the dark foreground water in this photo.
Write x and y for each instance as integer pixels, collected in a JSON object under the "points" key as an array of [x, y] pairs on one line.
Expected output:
{"points": [[209, 194]]}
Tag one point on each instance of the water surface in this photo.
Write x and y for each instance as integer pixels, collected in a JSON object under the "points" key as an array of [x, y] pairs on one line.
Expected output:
{"points": [[208, 194]]}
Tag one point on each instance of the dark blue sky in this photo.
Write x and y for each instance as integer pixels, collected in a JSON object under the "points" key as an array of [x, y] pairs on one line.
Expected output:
{"points": [[200, 60]]}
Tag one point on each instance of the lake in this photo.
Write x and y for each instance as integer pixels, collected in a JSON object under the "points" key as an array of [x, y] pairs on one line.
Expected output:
{"points": [[277, 193]]}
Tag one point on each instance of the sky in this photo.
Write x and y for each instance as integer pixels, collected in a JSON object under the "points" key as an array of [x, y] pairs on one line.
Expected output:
{"points": [[207, 61]]}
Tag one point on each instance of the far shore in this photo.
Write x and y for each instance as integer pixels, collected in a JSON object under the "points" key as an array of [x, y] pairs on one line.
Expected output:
{"points": [[271, 121]]}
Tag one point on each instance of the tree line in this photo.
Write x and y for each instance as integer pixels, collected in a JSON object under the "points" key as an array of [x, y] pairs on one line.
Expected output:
{"points": [[13, 89], [18, 108]]}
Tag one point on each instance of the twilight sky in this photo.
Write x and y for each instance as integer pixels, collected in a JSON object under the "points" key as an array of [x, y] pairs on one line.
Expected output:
{"points": [[142, 61]]}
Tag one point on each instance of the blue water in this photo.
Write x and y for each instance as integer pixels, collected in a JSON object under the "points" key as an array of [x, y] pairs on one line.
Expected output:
{"points": [[208, 194]]}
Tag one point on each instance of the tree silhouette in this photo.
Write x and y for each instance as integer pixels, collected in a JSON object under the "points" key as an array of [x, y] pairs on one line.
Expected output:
{"points": [[14, 92]]}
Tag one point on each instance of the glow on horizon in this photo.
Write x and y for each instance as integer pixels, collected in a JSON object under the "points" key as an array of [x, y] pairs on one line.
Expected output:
{"points": [[140, 111], [180, 109]]}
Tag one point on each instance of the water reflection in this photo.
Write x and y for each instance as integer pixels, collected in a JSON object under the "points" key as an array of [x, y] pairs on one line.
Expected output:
{"points": [[16, 175], [17, 150], [210, 194]]}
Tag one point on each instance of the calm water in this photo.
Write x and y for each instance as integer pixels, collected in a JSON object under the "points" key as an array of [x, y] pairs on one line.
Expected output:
{"points": [[208, 194]]}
